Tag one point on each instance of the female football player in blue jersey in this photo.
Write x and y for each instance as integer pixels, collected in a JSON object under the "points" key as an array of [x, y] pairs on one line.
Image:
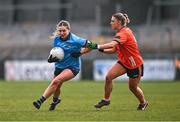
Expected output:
{"points": [[67, 68]]}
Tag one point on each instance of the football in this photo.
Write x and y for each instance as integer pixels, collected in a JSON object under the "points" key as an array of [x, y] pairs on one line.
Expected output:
{"points": [[57, 52]]}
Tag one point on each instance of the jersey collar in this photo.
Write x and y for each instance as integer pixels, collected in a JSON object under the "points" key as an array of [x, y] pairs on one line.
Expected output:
{"points": [[121, 28]]}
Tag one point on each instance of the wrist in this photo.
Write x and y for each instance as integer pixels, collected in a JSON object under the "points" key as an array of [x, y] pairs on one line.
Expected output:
{"points": [[101, 50], [98, 46]]}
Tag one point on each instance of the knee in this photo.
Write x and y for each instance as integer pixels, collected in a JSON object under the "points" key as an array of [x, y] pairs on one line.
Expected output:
{"points": [[55, 83], [132, 88], [108, 79]]}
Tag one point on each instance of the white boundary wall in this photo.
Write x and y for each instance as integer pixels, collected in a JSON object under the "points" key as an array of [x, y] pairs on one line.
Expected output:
{"points": [[42, 70], [153, 69], [30, 71]]}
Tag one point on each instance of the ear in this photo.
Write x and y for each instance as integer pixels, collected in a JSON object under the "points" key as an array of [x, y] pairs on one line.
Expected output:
{"points": [[119, 22]]}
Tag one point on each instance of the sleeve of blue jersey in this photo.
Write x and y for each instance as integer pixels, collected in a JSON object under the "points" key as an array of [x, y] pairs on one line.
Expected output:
{"points": [[82, 42]]}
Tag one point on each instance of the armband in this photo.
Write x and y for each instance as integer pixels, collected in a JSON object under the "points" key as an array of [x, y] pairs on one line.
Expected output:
{"points": [[101, 50]]}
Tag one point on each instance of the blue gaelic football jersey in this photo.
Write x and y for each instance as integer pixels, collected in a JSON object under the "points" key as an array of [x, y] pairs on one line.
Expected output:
{"points": [[73, 43]]}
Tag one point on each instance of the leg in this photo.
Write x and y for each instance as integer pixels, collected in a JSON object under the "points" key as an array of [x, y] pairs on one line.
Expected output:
{"points": [[56, 99], [114, 72], [57, 92], [136, 90], [65, 75], [54, 86]]}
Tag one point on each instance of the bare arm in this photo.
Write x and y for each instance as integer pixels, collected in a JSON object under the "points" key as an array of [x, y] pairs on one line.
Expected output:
{"points": [[110, 45], [85, 50], [109, 50]]}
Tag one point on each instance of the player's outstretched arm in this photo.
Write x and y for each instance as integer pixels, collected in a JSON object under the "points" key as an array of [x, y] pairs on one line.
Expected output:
{"points": [[108, 51], [109, 45], [108, 48]]}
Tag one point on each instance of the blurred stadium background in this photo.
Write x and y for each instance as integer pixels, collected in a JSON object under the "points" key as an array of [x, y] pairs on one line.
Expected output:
{"points": [[25, 27]]}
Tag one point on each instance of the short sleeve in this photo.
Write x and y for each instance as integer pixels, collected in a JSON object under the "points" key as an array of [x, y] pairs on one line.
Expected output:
{"points": [[82, 42], [120, 38]]}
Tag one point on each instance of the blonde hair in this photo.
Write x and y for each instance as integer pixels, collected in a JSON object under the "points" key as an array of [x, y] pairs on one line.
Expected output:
{"points": [[123, 18], [61, 23]]}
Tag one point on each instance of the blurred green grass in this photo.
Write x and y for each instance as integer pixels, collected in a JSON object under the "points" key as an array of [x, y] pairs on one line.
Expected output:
{"points": [[78, 99]]}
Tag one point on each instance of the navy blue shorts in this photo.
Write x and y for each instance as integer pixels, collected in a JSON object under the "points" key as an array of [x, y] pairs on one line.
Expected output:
{"points": [[133, 73], [59, 70]]}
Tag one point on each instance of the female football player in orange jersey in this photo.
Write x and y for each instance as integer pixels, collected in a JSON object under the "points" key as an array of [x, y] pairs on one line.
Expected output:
{"points": [[129, 60]]}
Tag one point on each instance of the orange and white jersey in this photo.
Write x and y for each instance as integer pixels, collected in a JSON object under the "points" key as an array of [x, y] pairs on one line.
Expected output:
{"points": [[127, 49]]}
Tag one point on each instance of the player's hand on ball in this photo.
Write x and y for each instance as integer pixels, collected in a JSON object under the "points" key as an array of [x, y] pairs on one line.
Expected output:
{"points": [[52, 59], [56, 54], [76, 54]]}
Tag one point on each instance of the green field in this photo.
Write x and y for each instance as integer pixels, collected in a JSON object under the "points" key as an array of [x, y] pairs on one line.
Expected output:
{"points": [[78, 99]]}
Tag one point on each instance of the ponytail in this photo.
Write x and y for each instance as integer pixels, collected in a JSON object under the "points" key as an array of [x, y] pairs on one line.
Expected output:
{"points": [[127, 18], [123, 18]]}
